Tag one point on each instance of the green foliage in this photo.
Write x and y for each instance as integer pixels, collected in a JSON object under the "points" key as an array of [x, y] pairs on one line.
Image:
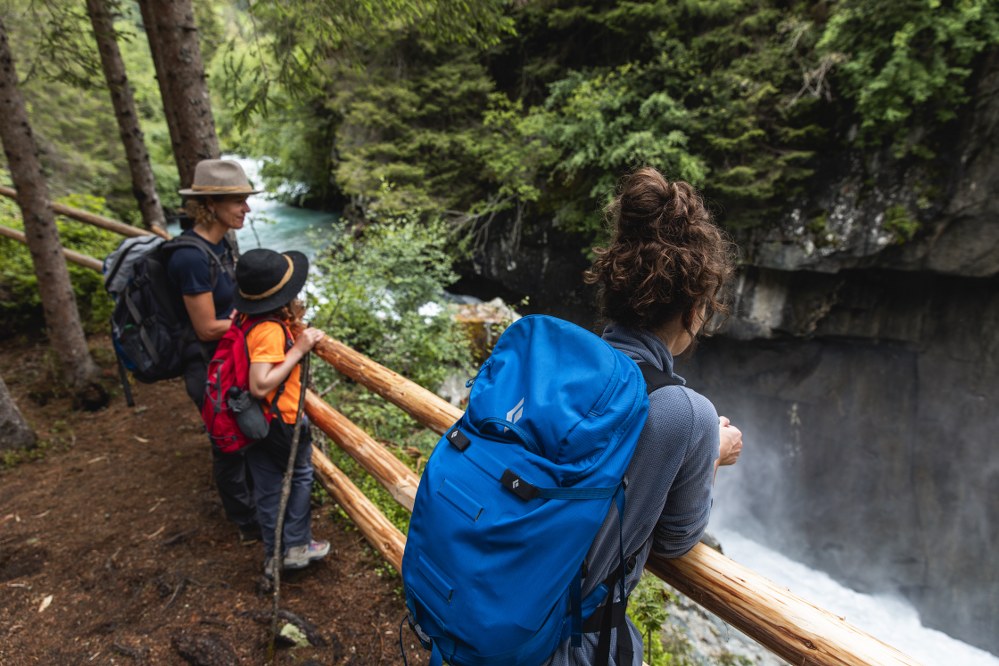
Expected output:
{"points": [[302, 37], [20, 305], [714, 103], [382, 294], [512, 150], [906, 64], [63, 38], [422, 134], [56, 58], [648, 608], [900, 224], [604, 123], [526, 110]]}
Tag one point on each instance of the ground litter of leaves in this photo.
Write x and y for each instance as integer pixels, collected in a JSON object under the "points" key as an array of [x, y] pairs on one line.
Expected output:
{"points": [[114, 548]]}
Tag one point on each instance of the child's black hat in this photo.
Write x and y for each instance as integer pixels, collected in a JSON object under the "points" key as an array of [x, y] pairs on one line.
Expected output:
{"points": [[268, 280]]}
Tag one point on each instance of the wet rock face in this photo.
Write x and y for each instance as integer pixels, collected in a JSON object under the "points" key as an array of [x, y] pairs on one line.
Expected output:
{"points": [[542, 263], [868, 403], [875, 211]]}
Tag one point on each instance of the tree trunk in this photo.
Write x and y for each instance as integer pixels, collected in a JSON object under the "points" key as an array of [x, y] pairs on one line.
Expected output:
{"points": [[14, 431], [153, 37], [58, 301], [181, 69], [143, 183]]}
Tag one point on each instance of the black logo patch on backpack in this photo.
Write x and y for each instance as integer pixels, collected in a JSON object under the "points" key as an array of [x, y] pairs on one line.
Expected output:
{"points": [[150, 327]]}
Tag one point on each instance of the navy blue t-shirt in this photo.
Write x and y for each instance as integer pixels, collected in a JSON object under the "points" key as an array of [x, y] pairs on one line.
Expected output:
{"points": [[192, 271]]}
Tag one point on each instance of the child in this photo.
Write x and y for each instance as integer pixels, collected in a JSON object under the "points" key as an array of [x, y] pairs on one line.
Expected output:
{"points": [[268, 283]]}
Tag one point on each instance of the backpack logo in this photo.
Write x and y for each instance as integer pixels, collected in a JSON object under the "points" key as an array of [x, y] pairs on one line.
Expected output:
{"points": [[516, 413]]}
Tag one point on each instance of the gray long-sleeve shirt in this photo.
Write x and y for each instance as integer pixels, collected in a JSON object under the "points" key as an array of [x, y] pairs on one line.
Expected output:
{"points": [[668, 498]]}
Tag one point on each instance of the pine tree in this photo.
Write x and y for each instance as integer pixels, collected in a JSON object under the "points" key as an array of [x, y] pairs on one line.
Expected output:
{"points": [[58, 301]]}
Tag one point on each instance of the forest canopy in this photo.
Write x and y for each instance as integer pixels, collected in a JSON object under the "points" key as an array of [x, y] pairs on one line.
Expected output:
{"points": [[527, 109]]}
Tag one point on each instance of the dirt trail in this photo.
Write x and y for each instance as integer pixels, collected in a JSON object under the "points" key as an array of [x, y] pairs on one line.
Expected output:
{"points": [[114, 548]]}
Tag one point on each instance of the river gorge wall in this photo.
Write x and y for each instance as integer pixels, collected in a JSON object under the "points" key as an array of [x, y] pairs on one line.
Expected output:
{"points": [[869, 442], [862, 367]]}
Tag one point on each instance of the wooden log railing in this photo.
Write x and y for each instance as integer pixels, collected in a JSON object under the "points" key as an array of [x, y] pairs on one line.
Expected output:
{"points": [[91, 218], [399, 480], [375, 527], [71, 255], [784, 623]]}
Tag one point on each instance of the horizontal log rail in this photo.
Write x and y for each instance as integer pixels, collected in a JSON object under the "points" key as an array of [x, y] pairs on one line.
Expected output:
{"points": [[400, 481], [773, 616], [784, 623], [91, 218], [375, 527], [425, 406], [71, 255]]}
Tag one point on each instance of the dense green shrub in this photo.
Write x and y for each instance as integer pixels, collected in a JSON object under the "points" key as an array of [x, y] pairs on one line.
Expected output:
{"points": [[381, 293], [905, 65], [20, 304]]}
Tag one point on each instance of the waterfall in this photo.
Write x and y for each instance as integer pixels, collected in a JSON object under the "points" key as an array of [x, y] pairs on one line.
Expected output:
{"points": [[890, 619]]}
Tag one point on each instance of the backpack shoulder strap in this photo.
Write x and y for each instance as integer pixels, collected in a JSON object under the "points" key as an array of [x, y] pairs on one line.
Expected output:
{"points": [[253, 323], [656, 378], [215, 263], [228, 261]]}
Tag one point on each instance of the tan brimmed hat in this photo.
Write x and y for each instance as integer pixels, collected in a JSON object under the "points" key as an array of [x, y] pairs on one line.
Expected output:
{"points": [[219, 178]]}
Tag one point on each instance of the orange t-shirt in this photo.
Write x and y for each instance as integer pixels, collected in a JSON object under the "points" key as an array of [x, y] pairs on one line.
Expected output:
{"points": [[267, 344]]}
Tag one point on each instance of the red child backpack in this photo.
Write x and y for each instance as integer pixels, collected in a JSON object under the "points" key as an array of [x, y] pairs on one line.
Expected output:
{"points": [[233, 418]]}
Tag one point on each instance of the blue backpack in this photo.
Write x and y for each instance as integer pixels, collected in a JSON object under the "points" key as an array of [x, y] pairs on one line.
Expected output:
{"points": [[514, 494]]}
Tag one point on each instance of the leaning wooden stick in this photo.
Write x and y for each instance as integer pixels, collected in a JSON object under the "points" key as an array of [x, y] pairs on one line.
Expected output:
{"points": [[277, 559]]}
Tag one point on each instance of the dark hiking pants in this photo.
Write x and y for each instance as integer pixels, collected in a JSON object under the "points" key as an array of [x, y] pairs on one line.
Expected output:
{"points": [[268, 460]]}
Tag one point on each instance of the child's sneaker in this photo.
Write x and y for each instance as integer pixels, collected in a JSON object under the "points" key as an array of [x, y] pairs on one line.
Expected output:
{"points": [[299, 557]]}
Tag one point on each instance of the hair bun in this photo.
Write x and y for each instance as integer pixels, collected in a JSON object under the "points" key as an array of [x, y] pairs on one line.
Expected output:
{"points": [[650, 206], [666, 259]]}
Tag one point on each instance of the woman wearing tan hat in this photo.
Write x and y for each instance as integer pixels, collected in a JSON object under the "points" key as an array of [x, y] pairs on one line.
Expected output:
{"points": [[216, 201]]}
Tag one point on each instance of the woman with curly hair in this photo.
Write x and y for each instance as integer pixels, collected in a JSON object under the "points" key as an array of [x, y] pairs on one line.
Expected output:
{"points": [[659, 279]]}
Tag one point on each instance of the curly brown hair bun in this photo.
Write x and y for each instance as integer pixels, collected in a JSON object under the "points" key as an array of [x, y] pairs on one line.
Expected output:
{"points": [[666, 258]]}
